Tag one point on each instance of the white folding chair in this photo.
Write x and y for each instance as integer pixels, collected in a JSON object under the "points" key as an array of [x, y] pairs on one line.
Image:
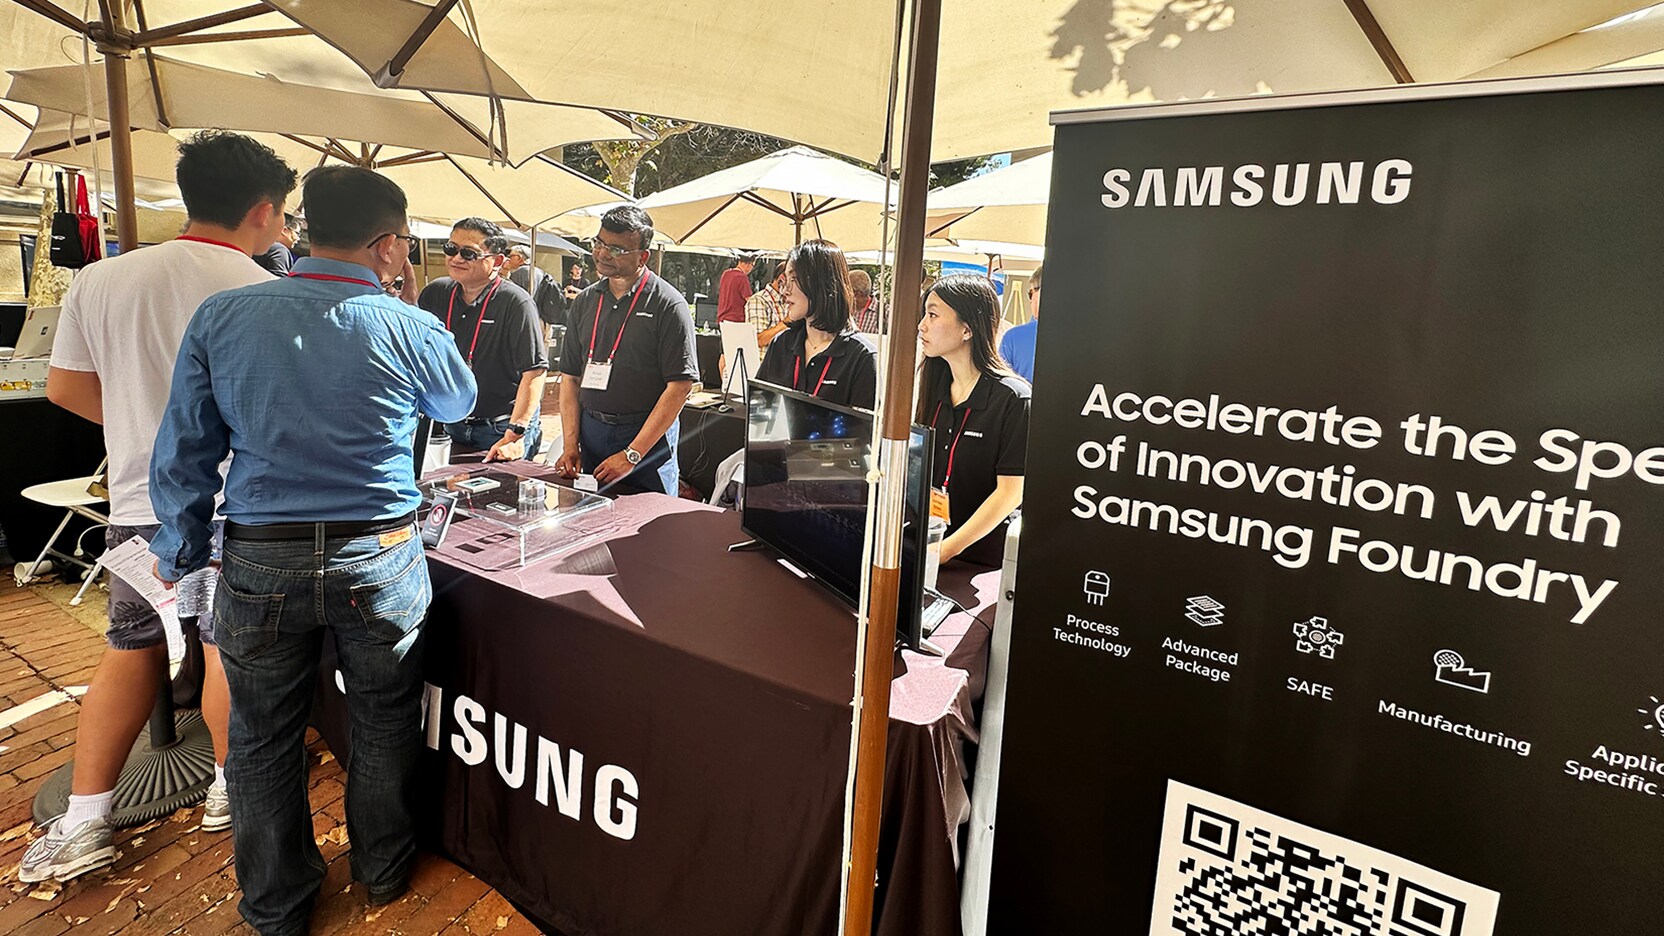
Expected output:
{"points": [[72, 494]]}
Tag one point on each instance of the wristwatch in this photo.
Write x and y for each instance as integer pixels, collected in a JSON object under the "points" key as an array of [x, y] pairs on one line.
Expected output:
{"points": [[633, 456], [517, 429]]}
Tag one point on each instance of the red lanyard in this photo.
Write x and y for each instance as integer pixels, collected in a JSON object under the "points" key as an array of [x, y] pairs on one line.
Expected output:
{"points": [[477, 322], [954, 448], [335, 279], [601, 301], [797, 364], [204, 240]]}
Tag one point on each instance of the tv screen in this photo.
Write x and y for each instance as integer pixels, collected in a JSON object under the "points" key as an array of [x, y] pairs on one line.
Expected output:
{"points": [[806, 464]]}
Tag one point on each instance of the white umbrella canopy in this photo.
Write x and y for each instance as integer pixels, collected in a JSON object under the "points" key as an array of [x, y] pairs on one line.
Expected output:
{"points": [[194, 95], [1003, 66], [1007, 204], [438, 185], [774, 202]]}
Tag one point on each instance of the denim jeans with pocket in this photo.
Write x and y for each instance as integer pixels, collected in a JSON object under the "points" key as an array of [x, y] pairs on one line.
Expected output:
{"points": [[273, 603]]}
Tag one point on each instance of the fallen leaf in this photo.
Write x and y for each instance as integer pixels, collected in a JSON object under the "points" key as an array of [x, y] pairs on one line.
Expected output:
{"points": [[325, 758], [46, 890], [136, 843], [372, 917], [148, 826], [502, 922], [114, 902], [79, 920], [16, 831]]}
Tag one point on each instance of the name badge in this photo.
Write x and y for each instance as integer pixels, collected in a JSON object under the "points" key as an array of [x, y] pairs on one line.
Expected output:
{"points": [[939, 505], [597, 376]]}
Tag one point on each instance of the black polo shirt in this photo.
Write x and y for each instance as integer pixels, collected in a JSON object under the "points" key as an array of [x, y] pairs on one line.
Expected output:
{"points": [[509, 342], [982, 438], [845, 373], [656, 347]]}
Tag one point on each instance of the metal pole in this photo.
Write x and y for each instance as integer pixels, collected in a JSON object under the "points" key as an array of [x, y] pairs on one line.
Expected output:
{"points": [[873, 712], [112, 45]]}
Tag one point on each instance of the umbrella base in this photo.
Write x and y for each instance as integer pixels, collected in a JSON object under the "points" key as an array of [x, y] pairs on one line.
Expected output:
{"points": [[153, 783]]}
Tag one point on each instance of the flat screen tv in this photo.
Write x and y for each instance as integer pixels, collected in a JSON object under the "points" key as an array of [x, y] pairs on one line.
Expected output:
{"points": [[806, 464]]}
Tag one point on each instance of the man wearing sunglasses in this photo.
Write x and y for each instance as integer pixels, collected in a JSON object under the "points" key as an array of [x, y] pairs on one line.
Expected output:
{"points": [[627, 365], [498, 333]]}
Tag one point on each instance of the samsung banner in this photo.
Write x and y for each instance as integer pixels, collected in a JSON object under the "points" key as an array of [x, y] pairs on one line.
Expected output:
{"points": [[1341, 600]]}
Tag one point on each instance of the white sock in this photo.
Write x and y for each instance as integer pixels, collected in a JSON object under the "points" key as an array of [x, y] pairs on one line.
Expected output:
{"points": [[83, 809], [219, 776]]}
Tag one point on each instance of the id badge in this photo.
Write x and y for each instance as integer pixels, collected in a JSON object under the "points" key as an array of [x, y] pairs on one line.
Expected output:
{"points": [[597, 376], [939, 505]]}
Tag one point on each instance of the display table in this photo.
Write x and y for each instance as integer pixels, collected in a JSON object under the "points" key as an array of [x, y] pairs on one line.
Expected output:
{"points": [[664, 749]]}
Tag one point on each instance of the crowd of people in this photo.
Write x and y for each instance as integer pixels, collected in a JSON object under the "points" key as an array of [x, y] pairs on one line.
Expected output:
{"points": [[259, 431]]}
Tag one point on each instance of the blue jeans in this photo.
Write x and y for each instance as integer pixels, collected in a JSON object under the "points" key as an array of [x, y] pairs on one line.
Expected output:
{"points": [[273, 603], [479, 437], [658, 471]]}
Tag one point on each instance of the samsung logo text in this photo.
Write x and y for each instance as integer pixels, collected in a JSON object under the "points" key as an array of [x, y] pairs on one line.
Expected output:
{"points": [[1284, 185]]}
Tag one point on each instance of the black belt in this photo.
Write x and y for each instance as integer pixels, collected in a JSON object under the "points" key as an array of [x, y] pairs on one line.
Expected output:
{"points": [[331, 529], [618, 419]]}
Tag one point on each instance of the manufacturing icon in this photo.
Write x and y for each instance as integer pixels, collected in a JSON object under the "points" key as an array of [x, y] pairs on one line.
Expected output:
{"points": [[1096, 587], [1205, 611], [1318, 636], [1450, 669]]}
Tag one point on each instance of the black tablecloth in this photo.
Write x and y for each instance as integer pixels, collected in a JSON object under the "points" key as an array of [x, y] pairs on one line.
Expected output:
{"points": [[50, 444], [709, 695]]}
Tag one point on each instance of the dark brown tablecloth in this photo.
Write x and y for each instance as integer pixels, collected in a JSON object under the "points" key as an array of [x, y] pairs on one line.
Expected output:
{"points": [[720, 683]]}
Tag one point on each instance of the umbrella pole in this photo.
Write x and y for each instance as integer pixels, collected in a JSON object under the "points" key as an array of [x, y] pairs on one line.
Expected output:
{"points": [[872, 712], [121, 127]]}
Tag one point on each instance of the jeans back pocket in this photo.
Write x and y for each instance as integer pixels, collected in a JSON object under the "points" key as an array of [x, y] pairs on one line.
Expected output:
{"points": [[396, 599], [245, 624]]}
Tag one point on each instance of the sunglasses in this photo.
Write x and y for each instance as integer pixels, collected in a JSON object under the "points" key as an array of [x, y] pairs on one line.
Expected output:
{"points": [[468, 254]]}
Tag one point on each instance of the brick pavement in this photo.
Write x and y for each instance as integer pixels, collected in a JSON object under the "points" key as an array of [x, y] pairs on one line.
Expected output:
{"points": [[172, 878]]}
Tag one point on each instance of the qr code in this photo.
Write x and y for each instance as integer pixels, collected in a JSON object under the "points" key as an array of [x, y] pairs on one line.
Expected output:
{"points": [[1228, 869]]}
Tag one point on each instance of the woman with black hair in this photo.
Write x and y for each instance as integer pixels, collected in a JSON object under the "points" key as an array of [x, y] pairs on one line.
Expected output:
{"points": [[979, 410], [820, 353]]}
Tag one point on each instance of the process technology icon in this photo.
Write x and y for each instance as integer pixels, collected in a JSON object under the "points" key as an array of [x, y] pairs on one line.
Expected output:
{"points": [[1096, 587], [1450, 669]]}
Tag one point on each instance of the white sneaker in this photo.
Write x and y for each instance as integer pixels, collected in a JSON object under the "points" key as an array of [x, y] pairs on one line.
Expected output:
{"points": [[216, 812], [65, 854]]}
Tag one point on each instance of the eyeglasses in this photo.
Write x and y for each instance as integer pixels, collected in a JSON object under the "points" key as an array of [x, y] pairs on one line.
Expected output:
{"points": [[598, 246], [393, 234], [468, 254]]}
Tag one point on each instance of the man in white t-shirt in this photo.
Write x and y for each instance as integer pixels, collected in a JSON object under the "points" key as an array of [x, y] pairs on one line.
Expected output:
{"points": [[112, 363]]}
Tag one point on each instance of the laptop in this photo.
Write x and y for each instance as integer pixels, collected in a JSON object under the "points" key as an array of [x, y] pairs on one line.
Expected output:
{"points": [[39, 327]]}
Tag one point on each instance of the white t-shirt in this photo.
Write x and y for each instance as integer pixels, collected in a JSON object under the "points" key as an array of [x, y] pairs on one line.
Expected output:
{"points": [[123, 319]]}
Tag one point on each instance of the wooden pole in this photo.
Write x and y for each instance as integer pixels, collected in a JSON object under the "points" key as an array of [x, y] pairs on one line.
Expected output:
{"points": [[119, 114], [873, 705]]}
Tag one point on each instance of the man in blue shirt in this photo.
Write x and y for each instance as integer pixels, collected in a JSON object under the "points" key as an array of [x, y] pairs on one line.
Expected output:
{"points": [[1017, 346], [313, 384]]}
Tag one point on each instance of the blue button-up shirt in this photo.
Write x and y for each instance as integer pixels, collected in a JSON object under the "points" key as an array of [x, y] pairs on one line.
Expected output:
{"points": [[313, 385]]}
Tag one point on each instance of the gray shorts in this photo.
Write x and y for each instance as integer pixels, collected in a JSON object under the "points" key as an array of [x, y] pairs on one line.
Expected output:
{"points": [[134, 624]]}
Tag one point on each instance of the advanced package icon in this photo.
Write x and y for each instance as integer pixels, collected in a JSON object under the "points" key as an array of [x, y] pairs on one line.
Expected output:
{"points": [[1317, 636]]}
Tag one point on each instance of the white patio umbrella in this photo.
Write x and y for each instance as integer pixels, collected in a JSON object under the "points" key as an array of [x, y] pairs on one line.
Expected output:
{"points": [[1007, 204], [1003, 67], [438, 185], [776, 202], [183, 94]]}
